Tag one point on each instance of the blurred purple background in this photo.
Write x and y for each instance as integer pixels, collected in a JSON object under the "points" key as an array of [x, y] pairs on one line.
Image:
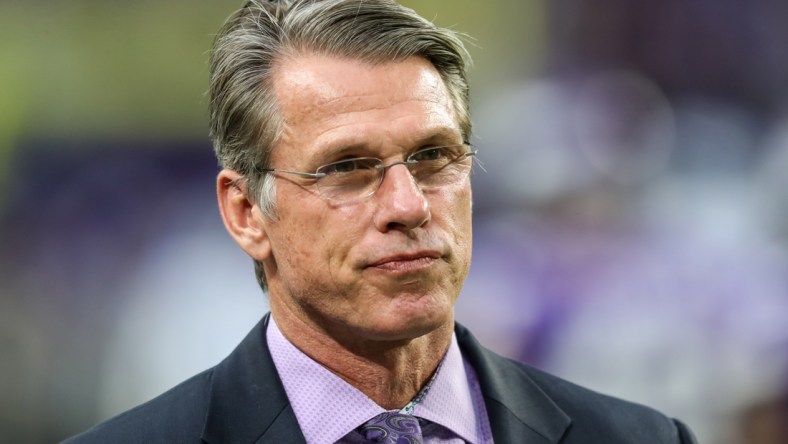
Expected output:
{"points": [[631, 228]]}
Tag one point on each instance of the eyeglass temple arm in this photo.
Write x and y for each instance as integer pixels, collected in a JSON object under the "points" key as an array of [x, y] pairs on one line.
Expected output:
{"points": [[319, 175], [299, 173]]}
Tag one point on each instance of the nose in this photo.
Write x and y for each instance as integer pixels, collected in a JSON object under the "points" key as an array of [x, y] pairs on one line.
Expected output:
{"points": [[401, 205]]}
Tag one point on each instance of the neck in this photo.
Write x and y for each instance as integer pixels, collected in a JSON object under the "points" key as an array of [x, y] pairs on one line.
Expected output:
{"points": [[390, 372]]}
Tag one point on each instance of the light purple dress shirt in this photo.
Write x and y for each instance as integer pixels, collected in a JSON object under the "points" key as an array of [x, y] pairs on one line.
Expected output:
{"points": [[329, 409]]}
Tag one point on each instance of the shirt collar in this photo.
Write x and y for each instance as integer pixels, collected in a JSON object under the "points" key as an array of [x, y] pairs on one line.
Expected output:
{"points": [[449, 402], [328, 408]]}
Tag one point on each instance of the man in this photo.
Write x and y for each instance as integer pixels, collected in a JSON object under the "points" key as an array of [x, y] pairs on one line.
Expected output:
{"points": [[343, 130]]}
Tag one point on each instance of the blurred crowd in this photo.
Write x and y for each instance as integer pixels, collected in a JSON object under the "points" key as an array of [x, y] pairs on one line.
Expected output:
{"points": [[630, 227]]}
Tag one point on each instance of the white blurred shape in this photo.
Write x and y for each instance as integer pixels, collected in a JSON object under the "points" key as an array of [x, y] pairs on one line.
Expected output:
{"points": [[190, 303], [527, 145], [624, 125]]}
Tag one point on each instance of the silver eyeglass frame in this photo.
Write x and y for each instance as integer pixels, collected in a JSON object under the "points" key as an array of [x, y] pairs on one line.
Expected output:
{"points": [[379, 166]]}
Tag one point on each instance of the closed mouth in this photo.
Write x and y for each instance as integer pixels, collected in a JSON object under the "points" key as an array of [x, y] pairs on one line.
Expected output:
{"points": [[406, 262]]}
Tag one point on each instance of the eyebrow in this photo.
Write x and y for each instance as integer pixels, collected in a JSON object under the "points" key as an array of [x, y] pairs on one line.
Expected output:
{"points": [[359, 148], [445, 135]]}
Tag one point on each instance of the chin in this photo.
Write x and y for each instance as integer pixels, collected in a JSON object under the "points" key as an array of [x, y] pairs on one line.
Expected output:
{"points": [[401, 333], [410, 324]]}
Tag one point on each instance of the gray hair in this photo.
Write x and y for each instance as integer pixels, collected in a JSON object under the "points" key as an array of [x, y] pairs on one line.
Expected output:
{"points": [[245, 123]]}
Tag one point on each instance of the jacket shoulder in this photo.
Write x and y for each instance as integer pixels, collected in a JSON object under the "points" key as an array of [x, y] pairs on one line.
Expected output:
{"points": [[519, 395], [176, 416], [605, 418]]}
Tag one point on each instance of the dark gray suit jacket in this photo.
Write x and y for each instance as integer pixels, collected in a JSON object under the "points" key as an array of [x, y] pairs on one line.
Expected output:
{"points": [[242, 400]]}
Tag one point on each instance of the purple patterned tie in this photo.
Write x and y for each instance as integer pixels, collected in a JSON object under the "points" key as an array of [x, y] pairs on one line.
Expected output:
{"points": [[392, 428]]}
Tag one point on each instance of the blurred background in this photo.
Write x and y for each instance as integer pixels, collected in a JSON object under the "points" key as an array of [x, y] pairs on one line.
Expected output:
{"points": [[630, 229]]}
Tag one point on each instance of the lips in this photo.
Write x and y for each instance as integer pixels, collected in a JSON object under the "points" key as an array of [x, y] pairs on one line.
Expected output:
{"points": [[406, 261]]}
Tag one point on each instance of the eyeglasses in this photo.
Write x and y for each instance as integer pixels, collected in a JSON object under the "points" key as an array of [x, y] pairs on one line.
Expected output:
{"points": [[353, 179]]}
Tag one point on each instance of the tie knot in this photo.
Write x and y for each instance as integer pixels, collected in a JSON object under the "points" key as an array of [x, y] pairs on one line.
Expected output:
{"points": [[392, 428]]}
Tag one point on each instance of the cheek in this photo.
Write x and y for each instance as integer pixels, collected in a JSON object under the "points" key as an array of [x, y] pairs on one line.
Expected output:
{"points": [[298, 235], [464, 236], [454, 205], [333, 233], [451, 212], [345, 227], [464, 226]]}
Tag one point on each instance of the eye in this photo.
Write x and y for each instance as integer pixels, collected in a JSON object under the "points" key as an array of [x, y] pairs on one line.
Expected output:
{"points": [[440, 153], [348, 166]]}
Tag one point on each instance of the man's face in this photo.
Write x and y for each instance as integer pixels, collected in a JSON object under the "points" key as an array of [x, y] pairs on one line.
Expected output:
{"points": [[387, 267]]}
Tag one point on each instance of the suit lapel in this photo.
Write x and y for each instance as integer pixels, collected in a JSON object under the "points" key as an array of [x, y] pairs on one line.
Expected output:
{"points": [[248, 403], [519, 411]]}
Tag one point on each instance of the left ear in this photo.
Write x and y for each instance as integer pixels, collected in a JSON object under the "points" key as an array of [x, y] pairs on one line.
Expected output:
{"points": [[242, 218]]}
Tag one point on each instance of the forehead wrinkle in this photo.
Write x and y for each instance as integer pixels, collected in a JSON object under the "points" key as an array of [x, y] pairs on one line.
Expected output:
{"points": [[341, 111], [380, 101], [315, 88], [431, 124]]}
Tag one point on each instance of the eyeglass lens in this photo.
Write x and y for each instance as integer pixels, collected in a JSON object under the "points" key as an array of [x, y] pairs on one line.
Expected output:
{"points": [[358, 178]]}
